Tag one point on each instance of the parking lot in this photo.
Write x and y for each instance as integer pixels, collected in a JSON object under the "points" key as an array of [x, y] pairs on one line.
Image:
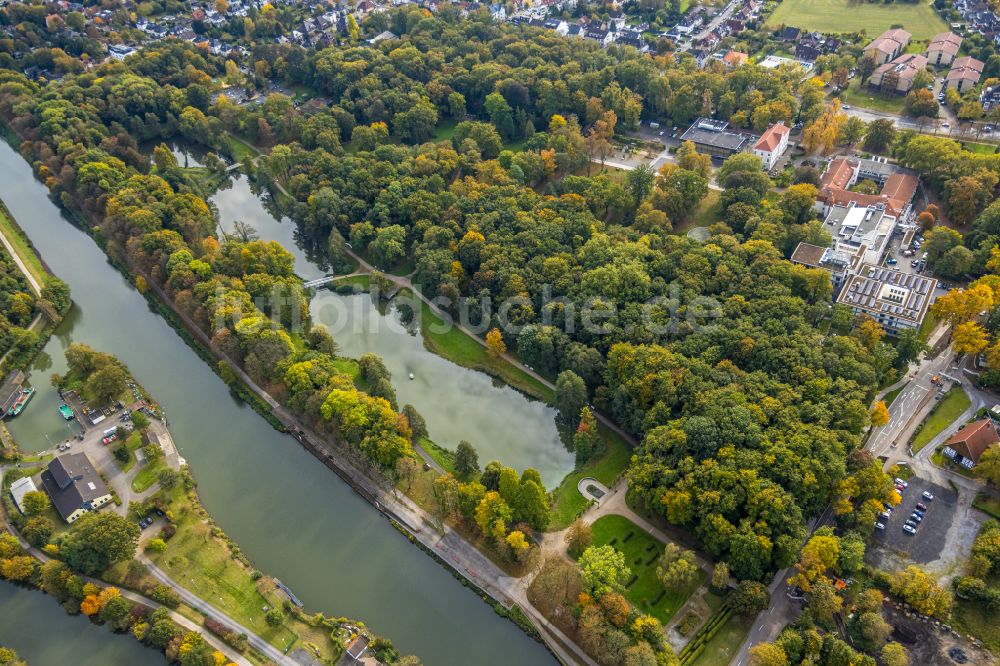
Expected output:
{"points": [[927, 544]]}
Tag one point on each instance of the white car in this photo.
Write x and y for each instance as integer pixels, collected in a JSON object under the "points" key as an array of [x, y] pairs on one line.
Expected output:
{"points": [[927, 496], [900, 482], [909, 530], [880, 526]]}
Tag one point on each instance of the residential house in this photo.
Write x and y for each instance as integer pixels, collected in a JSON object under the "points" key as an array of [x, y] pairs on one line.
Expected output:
{"points": [[790, 34], [74, 486], [498, 12], [734, 59], [357, 648], [964, 74], [558, 25], [887, 46], [772, 144], [633, 38], [967, 445], [120, 51], [943, 49], [598, 34], [897, 77]]}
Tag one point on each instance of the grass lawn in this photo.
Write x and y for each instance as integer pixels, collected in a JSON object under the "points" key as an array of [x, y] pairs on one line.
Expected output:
{"points": [[833, 16], [719, 650], [855, 95], [930, 323], [641, 554], [567, 502], [944, 413], [241, 150], [146, 476], [132, 442], [987, 505], [445, 130], [979, 148], [441, 456], [455, 345], [203, 563], [707, 212], [22, 246], [362, 281]]}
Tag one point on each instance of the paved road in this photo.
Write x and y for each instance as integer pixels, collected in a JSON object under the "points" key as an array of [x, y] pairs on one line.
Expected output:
{"points": [[906, 412], [935, 126]]}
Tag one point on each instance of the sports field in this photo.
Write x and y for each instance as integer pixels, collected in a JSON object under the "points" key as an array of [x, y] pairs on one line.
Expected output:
{"points": [[853, 16]]}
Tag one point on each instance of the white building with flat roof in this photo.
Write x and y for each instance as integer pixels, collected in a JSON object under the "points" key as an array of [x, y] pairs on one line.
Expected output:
{"points": [[853, 226]]}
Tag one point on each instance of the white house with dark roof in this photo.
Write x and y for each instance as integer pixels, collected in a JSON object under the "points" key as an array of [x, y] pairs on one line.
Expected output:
{"points": [[74, 486]]}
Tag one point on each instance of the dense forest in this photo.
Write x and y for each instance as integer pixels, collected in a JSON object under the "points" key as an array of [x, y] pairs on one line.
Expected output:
{"points": [[746, 418]]}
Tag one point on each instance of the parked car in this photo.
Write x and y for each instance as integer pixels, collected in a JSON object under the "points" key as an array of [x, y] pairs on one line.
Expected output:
{"points": [[912, 523], [846, 107], [921, 506], [900, 482], [945, 125], [928, 496], [913, 264], [900, 488], [109, 439], [879, 526], [891, 261], [886, 515], [916, 517], [909, 530]]}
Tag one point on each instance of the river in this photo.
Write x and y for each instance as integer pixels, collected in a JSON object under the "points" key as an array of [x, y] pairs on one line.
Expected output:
{"points": [[290, 515], [32, 619], [457, 403]]}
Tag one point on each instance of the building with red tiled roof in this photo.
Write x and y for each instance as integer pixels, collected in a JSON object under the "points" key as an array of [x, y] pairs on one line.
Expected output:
{"points": [[888, 45], [964, 74], [897, 190], [734, 58], [943, 48], [772, 144], [898, 76], [968, 444], [840, 174]]}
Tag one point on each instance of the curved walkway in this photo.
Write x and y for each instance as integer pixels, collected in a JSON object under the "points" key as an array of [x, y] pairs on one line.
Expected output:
{"points": [[208, 610], [188, 624]]}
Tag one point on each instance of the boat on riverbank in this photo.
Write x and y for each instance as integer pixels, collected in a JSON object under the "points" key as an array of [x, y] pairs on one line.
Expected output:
{"points": [[66, 411], [21, 401]]}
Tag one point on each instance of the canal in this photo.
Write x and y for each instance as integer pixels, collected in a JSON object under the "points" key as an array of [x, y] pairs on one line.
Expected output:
{"points": [[293, 518], [457, 403], [31, 621]]}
